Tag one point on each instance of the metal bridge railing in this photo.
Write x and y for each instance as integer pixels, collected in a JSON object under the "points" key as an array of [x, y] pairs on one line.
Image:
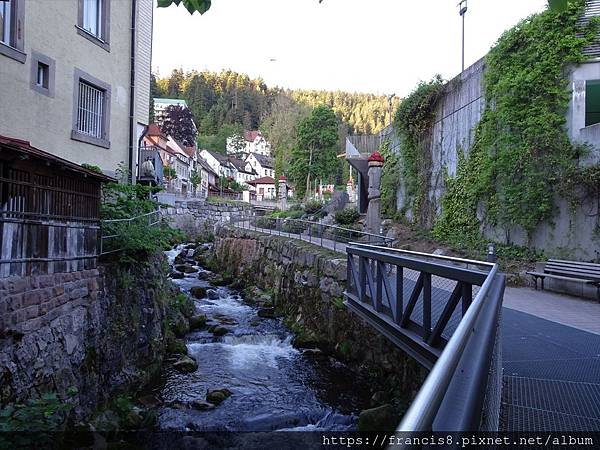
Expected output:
{"points": [[413, 299], [332, 237], [111, 229]]}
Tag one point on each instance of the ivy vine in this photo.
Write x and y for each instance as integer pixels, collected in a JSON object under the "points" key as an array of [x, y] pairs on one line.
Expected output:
{"points": [[413, 122], [522, 155]]}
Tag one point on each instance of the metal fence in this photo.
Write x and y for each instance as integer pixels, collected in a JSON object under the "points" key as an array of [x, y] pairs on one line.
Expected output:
{"points": [[444, 312], [332, 237], [113, 229]]}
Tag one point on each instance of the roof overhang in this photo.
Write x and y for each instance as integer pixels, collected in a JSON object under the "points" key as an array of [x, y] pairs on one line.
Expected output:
{"points": [[28, 151]]}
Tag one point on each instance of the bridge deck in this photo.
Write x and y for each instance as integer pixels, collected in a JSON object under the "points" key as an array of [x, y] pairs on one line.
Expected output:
{"points": [[551, 369]]}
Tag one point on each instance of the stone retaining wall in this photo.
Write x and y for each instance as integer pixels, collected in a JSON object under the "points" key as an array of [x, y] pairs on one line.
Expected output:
{"points": [[198, 218], [100, 331], [308, 284]]}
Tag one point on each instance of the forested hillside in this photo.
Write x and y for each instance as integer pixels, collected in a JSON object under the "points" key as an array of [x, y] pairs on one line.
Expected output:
{"points": [[233, 98]]}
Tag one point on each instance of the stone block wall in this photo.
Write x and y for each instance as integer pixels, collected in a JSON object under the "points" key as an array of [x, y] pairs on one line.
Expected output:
{"points": [[28, 303], [197, 218], [100, 331]]}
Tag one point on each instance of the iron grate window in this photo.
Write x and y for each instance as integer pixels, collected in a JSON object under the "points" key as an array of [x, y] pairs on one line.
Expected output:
{"points": [[90, 111]]}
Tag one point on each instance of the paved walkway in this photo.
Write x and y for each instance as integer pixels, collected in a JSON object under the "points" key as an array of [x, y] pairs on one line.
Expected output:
{"points": [[551, 361]]}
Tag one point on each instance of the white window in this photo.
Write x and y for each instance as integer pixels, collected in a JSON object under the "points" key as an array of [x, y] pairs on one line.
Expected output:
{"points": [[90, 111], [5, 22], [92, 17]]}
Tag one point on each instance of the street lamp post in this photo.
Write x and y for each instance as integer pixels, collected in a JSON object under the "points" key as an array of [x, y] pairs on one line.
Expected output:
{"points": [[463, 11]]}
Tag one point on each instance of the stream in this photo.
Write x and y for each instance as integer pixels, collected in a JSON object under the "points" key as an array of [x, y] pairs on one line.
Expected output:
{"points": [[274, 386]]}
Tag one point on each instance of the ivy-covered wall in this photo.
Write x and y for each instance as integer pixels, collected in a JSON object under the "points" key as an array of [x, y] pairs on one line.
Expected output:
{"points": [[495, 159]]}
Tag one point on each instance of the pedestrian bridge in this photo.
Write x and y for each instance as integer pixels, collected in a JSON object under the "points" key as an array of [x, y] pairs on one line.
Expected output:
{"points": [[533, 365]]}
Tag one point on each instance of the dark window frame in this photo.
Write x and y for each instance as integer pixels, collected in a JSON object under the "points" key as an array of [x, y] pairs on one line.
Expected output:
{"points": [[14, 49], [37, 58], [80, 75], [103, 40]]}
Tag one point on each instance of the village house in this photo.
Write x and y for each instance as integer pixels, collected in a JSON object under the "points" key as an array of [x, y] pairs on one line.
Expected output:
{"points": [[172, 155], [250, 142], [263, 165], [244, 171], [219, 163], [208, 178], [264, 188], [69, 83]]}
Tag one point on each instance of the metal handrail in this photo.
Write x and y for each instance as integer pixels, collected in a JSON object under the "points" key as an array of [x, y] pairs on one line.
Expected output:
{"points": [[429, 255], [130, 219], [426, 404], [319, 240]]}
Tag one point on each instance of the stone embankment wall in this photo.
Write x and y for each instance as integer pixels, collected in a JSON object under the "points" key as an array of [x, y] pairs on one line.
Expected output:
{"points": [[308, 284], [199, 218], [100, 331]]}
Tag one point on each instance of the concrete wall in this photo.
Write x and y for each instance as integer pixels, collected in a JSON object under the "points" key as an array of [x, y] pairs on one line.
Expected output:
{"points": [[571, 234], [46, 121]]}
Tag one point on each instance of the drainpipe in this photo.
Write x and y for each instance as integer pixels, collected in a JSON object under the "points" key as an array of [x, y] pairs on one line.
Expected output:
{"points": [[132, 91]]}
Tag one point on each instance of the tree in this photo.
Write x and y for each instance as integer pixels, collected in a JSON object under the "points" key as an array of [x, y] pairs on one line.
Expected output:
{"points": [[176, 84], [280, 128], [314, 156], [170, 174], [179, 124], [195, 179], [218, 142]]}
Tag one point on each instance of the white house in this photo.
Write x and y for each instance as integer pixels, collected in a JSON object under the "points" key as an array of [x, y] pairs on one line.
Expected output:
{"points": [[219, 163], [244, 171], [251, 142], [265, 188], [181, 162], [262, 165]]}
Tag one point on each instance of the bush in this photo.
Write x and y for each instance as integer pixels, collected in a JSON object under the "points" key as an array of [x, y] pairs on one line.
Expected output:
{"points": [[312, 206], [133, 240], [347, 216]]}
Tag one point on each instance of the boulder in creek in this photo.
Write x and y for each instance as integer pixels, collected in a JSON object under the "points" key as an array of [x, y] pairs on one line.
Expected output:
{"points": [[185, 268], [186, 364], [212, 294], [201, 405], [217, 396], [381, 418], [220, 331], [197, 322], [198, 291], [176, 275]]}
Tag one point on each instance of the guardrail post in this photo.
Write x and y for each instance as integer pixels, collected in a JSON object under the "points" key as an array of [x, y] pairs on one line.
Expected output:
{"points": [[399, 293], [362, 277], [379, 274], [467, 297], [426, 305]]}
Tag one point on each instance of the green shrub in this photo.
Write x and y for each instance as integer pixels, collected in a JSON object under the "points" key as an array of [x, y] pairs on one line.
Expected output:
{"points": [[347, 216], [312, 206], [133, 240]]}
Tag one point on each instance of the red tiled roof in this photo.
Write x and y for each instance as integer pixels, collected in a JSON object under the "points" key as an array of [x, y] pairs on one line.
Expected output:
{"points": [[262, 180], [154, 130], [250, 136], [25, 147]]}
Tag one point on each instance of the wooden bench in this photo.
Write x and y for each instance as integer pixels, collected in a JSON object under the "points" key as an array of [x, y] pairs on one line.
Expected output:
{"points": [[579, 272]]}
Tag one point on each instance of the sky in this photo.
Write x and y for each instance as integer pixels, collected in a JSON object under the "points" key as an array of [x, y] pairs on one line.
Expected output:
{"points": [[377, 46]]}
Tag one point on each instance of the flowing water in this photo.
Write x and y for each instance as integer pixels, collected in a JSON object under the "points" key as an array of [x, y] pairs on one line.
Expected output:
{"points": [[274, 385]]}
